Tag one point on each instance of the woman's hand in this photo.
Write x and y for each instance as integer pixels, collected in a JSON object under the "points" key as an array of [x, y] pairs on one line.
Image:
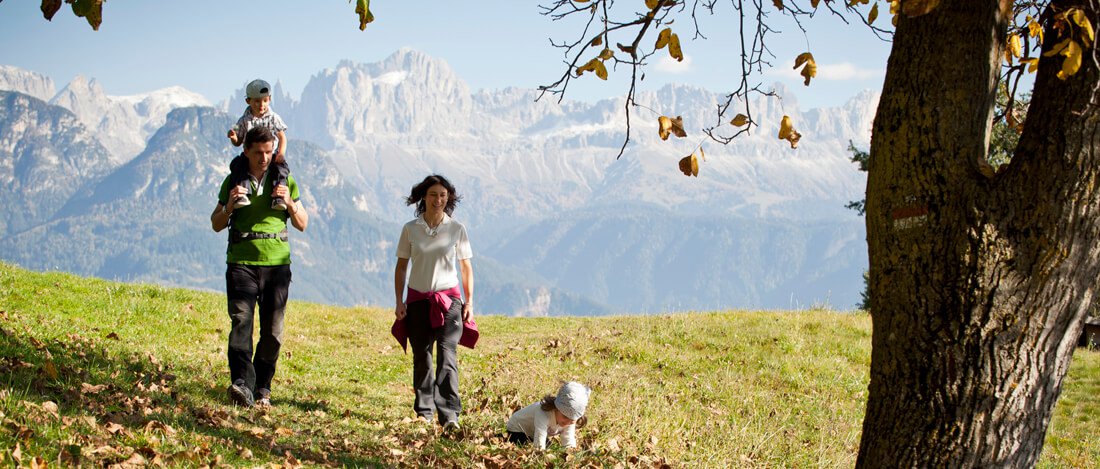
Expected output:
{"points": [[400, 311]]}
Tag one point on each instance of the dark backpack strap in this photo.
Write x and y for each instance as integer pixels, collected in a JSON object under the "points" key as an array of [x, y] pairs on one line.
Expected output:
{"points": [[238, 236]]}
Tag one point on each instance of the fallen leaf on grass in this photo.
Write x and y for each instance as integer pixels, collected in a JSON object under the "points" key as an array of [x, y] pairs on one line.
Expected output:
{"points": [[155, 425], [50, 407], [38, 463], [86, 388], [613, 445]]}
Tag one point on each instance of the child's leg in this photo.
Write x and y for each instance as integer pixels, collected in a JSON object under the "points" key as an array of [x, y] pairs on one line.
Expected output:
{"points": [[518, 438], [238, 176], [238, 171], [278, 172]]}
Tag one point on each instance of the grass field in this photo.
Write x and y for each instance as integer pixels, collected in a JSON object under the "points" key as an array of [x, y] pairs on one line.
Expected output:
{"points": [[100, 373]]}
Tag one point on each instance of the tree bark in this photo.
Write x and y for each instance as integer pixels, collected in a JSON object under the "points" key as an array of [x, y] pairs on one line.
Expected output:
{"points": [[979, 284]]}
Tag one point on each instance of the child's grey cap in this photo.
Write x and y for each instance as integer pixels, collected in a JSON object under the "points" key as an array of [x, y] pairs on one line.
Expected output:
{"points": [[257, 89], [572, 400]]}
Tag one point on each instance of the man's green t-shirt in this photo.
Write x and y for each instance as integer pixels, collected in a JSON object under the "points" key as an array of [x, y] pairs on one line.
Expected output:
{"points": [[258, 217]]}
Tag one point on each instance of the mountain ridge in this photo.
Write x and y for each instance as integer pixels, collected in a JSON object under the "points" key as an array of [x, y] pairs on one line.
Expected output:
{"points": [[526, 170]]}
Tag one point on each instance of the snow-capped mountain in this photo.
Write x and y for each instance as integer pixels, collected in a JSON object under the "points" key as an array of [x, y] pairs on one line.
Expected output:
{"points": [[46, 157], [559, 224], [122, 123], [26, 82]]}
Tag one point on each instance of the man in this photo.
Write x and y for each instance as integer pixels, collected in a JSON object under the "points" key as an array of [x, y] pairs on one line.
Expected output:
{"points": [[258, 268]]}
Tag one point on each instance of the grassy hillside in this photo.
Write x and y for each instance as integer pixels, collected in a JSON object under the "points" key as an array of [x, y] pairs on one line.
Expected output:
{"points": [[95, 372]]}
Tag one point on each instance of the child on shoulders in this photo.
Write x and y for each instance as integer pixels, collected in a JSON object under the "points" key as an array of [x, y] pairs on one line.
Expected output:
{"points": [[559, 416], [258, 114]]}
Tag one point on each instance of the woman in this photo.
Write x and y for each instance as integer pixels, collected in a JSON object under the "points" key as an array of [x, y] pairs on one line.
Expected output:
{"points": [[433, 311]]}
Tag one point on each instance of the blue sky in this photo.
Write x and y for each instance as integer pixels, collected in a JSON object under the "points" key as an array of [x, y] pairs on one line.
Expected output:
{"points": [[214, 46]]}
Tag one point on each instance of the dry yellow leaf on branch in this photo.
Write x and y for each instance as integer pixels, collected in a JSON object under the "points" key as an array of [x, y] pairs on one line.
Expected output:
{"points": [[678, 127], [814, 3], [597, 41], [1034, 29], [787, 132], [873, 15], [606, 54], [810, 69], [651, 4], [1072, 51], [1013, 49], [594, 65], [662, 38], [362, 8], [689, 165], [778, 4], [739, 120], [664, 126], [667, 125], [1032, 64], [674, 48], [1077, 16]]}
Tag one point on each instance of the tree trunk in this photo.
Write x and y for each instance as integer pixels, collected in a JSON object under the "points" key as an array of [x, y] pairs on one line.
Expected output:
{"points": [[979, 284]]}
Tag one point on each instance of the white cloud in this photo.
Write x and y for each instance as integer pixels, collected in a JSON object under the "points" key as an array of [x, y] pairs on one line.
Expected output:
{"points": [[836, 72], [667, 64]]}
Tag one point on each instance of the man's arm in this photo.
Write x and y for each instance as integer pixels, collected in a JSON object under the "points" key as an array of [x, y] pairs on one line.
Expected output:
{"points": [[298, 215], [219, 219]]}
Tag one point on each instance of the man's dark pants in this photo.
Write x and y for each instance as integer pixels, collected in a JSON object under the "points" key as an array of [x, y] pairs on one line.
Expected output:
{"points": [[437, 393], [245, 285]]}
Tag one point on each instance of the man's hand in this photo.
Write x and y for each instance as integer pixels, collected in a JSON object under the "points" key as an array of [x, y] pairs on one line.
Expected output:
{"points": [[284, 192], [234, 193]]}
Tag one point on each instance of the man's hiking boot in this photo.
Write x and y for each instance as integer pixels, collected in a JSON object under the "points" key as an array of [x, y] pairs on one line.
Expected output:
{"points": [[240, 394], [263, 397]]}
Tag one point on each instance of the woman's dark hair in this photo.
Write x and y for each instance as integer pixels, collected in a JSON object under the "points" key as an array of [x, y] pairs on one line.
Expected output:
{"points": [[419, 191], [548, 404]]}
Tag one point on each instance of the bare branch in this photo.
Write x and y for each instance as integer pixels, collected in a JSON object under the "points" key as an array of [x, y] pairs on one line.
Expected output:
{"points": [[606, 25]]}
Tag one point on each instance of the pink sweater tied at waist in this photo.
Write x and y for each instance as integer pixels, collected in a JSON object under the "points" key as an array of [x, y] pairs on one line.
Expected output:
{"points": [[440, 304]]}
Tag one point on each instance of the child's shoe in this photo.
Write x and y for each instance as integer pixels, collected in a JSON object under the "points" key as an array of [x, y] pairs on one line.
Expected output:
{"points": [[278, 203], [242, 200]]}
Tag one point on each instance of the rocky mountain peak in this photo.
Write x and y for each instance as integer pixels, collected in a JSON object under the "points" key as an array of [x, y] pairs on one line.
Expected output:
{"points": [[26, 82]]}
